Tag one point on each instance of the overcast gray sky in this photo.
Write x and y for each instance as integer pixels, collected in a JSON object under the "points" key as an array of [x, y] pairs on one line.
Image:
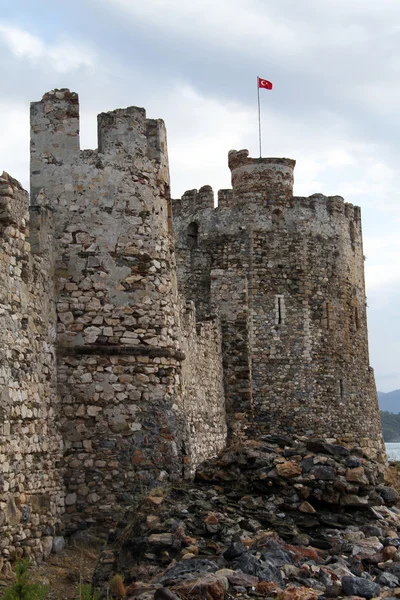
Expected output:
{"points": [[335, 66]]}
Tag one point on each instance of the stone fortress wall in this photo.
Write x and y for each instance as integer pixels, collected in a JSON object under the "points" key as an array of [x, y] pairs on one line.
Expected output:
{"points": [[31, 487], [133, 346]]}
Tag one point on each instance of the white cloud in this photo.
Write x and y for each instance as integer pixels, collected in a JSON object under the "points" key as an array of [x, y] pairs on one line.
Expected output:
{"points": [[63, 56], [224, 23], [200, 134], [14, 141]]}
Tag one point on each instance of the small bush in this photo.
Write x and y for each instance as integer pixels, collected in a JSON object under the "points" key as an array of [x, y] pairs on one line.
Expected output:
{"points": [[22, 589], [85, 592]]}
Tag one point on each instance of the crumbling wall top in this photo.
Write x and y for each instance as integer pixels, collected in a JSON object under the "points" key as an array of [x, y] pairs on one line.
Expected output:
{"points": [[240, 158], [13, 201], [194, 201]]}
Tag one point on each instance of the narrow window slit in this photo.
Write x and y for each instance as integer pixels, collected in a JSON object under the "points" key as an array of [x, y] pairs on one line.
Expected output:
{"points": [[192, 235], [280, 311], [341, 388], [328, 316], [356, 317]]}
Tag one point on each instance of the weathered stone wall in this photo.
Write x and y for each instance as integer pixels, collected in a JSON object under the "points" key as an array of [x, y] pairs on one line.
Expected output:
{"points": [[213, 269], [31, 491], [203, 400], [193, 258], [302, 262], [229, 297], [309, 321]]}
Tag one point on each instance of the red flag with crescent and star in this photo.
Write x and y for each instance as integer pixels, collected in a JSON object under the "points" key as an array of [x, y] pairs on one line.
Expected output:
{"points": [[264, 83]]}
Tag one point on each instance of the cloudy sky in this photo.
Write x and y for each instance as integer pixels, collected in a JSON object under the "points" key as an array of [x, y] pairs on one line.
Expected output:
{"points": [[335, 66]]}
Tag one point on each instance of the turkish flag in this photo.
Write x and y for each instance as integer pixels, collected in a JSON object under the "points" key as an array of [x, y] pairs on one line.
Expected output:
{"points": [[263, 83]]}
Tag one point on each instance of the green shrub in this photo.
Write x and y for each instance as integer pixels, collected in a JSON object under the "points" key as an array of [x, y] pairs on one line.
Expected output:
{"points": [[22, 589], [85, 592]]}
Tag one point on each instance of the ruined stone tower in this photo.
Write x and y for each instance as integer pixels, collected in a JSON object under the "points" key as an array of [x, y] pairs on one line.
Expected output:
{"points": [[131, 344], [119, 335], [287, 275], [117, 326]]}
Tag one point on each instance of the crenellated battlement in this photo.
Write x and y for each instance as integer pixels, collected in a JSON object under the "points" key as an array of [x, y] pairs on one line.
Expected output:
{"points": [[124, 136], [122, 131], [320, 214], [331, 205], [194, 201], [225, 199], [54, 129]]}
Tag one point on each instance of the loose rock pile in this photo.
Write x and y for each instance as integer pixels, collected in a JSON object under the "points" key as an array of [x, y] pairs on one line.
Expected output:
{"points": [[278, 517]]}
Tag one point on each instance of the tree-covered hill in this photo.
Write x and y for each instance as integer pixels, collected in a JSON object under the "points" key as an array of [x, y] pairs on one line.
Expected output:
{"points": [[389, 401], [390, 426]]}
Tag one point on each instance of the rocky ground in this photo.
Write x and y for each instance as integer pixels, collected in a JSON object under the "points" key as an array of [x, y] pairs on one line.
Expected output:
{"points": [[275, 518], [278, 518]]}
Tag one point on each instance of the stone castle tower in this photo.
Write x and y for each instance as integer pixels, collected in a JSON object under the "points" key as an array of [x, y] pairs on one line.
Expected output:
{"points": [[139, 332], [287, 274]]}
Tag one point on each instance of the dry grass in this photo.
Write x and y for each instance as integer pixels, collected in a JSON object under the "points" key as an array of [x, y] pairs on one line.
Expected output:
{"points": [[117, 586], [66, 572], [86, 552]]}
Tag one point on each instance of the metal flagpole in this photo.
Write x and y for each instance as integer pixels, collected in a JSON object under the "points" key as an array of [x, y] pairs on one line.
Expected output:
{"points": [[259, 114]]}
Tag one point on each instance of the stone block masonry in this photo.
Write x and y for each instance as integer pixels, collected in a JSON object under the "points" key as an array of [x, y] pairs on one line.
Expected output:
{"points": [[134, 344], [203, 400]]}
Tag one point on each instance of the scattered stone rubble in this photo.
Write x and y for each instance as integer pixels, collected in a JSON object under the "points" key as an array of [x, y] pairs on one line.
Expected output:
{"points": [[292, 519]]}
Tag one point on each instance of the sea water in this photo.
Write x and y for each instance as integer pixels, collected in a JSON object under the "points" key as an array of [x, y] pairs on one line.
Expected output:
{"points": [[393, 450]]}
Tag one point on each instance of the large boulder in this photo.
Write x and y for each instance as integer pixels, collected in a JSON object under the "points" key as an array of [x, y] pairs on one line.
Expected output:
{"points": [[358, 586]]}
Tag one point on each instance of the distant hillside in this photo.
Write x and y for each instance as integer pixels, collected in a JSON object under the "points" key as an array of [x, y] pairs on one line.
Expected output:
{"points": [[390, 426], [390, 401]]}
